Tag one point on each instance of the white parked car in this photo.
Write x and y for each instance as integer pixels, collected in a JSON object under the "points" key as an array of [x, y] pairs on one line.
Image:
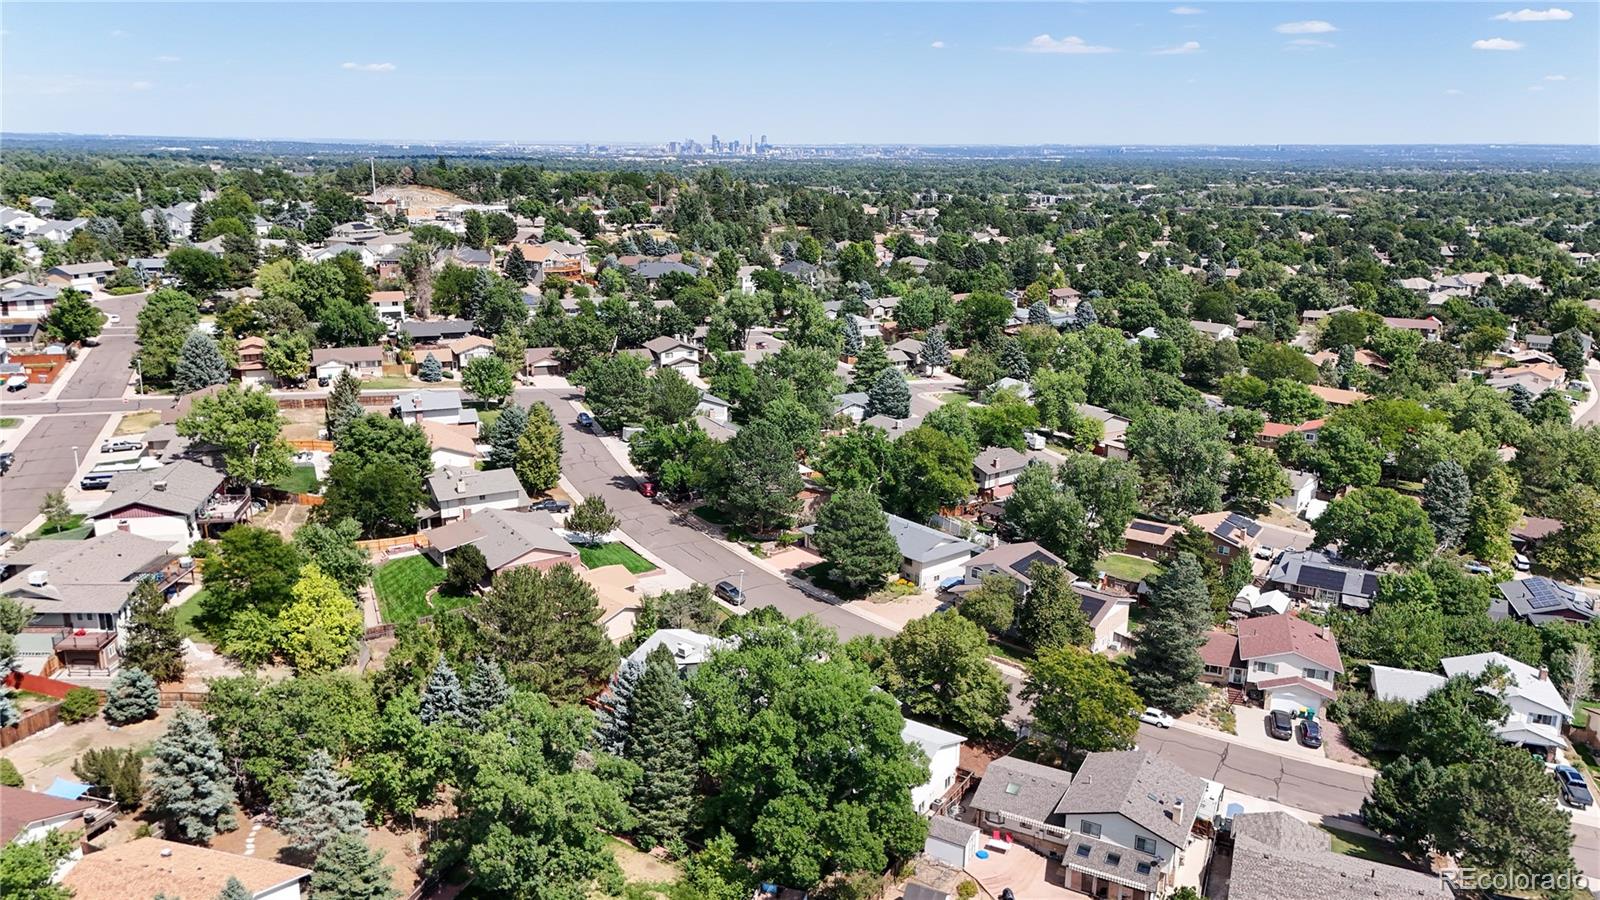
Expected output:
{"points": [[112, 318], [1153, 716], [1520, 562]]}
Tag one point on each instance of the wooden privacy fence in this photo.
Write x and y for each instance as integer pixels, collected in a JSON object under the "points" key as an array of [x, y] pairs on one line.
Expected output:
{"points": [[384, 545], [324, 446], [169, 699], [33, 722]]}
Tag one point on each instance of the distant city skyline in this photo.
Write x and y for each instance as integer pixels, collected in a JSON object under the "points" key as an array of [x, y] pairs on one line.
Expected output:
{"points": [[1082, 74]]}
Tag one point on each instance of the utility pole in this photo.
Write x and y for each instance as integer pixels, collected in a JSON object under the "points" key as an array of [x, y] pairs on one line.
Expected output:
{"points": [[372, 164]]}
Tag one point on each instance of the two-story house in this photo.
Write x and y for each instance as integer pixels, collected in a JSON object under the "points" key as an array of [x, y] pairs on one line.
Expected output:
{"points": [[1537, 711], [671, 353], [996, 470], [173, 504], [79, 592], [461, 492], [1113, 431], [28, 301], [389, 305], [1322, 580], [252, 368], [943, 749], [84, 276], [1290, 662]]}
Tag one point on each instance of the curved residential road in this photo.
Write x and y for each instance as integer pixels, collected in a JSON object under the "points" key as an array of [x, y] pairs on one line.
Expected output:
{"points": [[594, 472]]}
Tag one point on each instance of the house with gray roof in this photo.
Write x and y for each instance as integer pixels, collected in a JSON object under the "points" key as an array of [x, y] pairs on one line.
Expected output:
{"points": [[851, 404], [440, 405], [1134, 800], [507, 539], [83, 276], [1021, 796], [996, 470], [457, 492], [928, 557], [1536, 709], [804, 272], [1279, 857], [1322, 580], [653, 271], [28, 301], [1540, 600], [436, 331], [173, 504]]}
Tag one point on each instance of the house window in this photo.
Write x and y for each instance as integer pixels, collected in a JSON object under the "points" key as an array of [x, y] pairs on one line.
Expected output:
{"points": [[949, 780], [1113, 858], [1214, 670], [1144, 868], [1316, 674], [1092, 829], [1542, 719], [1144, 845], [1268, 667], [1224, 549]]}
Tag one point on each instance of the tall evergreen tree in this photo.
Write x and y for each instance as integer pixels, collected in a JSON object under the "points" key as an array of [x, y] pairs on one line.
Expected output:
{"points": [[344, 404], [615, 713], [132, 697], [517, 266], [870, 362], [486, 690], [1050, 614], [200, 364], [235, 890], [190, 786], [538, 458], [429, 370], [442, 699], [8, 708], [1014, 361], [503, 436], [936, 349], [853, 535], [661, 741], [1084, 316], [1038, 313], [852, 336], [155, 645], [1447, 499], [1167, 666], [889, 395], [1521, 399], [350, 870], [321, 808]]}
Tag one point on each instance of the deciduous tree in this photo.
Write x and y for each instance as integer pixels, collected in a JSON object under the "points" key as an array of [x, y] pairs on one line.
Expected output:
{"points": [[538, 458], [938, 666], [1081, 701]]}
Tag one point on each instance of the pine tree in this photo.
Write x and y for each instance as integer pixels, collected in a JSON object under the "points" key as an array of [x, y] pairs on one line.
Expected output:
{"points": [[322, 807], [516, 266], [235, 890], [344, 404], [1521, 399], [936, 350], [538, 458], [1167, 667], [872, 360], [350, 870], [430, 371], [132, 697], [190, 787], [852, 336], [853, 535], [442, 700], [615, 713], [8, 708], [889, 395], [503, 435], [1084, 316], [155, 645], [200, 364], [662, 743], [1447, 499], [1014, 361], [1038, 313], [486, 690]]}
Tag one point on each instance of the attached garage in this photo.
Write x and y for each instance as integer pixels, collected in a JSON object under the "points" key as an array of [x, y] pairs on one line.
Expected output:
{"points": [[1294, 694]]}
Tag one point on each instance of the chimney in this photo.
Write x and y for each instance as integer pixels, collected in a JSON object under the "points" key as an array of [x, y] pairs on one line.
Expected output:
{"points": [[1544, 673], [461, 485]]}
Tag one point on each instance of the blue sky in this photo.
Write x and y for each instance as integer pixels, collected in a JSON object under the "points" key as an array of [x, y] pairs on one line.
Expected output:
{"points": [[1010, 73]]}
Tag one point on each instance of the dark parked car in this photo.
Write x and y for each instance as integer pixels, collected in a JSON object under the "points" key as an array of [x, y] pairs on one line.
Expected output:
{"points": [[1311, 733], [1280, 726], [585, 420], [4, 535], [551, 504], [730, 592], [97, 481], [323, 381], [6, 459], [1574, 790]]}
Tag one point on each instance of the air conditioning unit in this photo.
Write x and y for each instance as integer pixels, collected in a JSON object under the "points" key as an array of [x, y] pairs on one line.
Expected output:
{"points": [[38, 578]]}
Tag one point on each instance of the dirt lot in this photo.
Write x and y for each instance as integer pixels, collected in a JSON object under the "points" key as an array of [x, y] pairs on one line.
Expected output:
{"points": [[303, 424], [43, 757], [414, 195], [257, 837]]}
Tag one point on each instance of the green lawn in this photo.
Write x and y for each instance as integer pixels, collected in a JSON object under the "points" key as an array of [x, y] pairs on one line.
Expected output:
{"points": [[1128, 568], [68, 524], [300, 480], [402, 587], [487, 417], [1371, 849], [394, 381], [81, 533], [615, 554], [187, 613], [1580, 716], [9, 422]]}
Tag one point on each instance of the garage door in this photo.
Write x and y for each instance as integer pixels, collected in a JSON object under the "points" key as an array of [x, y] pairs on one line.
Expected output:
{"points": [[1293, 700]]}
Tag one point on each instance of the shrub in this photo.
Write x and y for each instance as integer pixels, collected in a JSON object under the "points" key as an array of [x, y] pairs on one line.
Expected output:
{"points": [[966, 890], [115, 773], [81, 705], [9, 776], [133, 697]]}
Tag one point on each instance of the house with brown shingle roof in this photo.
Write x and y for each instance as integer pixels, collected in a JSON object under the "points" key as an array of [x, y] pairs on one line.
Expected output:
{"points": [[1289, 661], [147, 867], [27, 816]]}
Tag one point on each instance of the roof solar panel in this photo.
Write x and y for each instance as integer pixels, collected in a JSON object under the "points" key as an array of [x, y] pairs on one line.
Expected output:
{"points": [[1148, 527], [1022, 565], [1325, 579], [1543, 595]]}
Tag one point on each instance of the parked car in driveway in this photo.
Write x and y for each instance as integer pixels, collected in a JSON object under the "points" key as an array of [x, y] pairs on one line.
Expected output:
{"points": [[730, 592], [1311, 733], [1478, 568], [1521, 562], [1574, 790], [1280, 726], [551, 504], [585, 420], [120, 446], [1153, 716], [95, 481]]}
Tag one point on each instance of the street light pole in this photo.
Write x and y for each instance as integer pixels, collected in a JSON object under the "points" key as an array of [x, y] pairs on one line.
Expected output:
{"points": [[741, 582], [75, 463]]}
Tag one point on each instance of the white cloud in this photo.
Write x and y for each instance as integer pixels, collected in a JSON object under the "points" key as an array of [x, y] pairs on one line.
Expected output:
{"points": [[1453, 92], [937, 45], [1496, 44], [169, 59], [1553, 14], [141, 86], [1555, 78], [1310, 26], [368, 67], [1186, 11], [1044, 43], [1180, 50]]}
